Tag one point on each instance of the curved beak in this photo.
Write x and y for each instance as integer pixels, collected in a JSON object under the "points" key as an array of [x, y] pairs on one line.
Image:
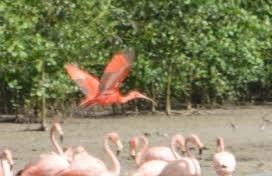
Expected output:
{"points": [[132, 154], [155, 103], [119, 147], [61, 138], [145, 97], [183, 152], [182, 148], [11, 163], [200, 151]]}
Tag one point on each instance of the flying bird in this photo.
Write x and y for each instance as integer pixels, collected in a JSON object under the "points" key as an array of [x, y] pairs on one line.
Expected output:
{"points": [[106, 90]]}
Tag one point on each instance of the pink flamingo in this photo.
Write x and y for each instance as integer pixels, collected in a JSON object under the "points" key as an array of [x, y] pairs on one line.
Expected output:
{"points": [[82, 160], [95, 167], [151, 168], [185, 166], [223, 162], [6, 163], [155, 153], [48, 164]]}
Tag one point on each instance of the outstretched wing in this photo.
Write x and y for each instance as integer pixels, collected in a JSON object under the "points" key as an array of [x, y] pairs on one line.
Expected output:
{"points": [[87, 83], [116, 71]]}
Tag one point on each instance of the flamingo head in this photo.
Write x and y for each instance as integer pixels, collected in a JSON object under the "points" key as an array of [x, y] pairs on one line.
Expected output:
{"points": [[181, 142], [133, 144], [195, 140], [79, 151], [219, 144], [56, 127], [115, 139], [6, 155]]}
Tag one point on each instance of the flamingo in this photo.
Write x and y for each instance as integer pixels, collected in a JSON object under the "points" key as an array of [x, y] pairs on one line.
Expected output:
{"points": [[151, 168], [82, 160], [106, 91], [185, 166], [96, 167], [6, 163], [157, 152], [223, 161], [48, 164]]}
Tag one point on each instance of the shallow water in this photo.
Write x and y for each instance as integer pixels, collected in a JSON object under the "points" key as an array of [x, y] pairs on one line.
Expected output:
{"points": [[249, 140]]}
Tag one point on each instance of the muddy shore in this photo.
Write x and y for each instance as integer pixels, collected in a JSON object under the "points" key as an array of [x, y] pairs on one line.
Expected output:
{"points": [[246, 134]]}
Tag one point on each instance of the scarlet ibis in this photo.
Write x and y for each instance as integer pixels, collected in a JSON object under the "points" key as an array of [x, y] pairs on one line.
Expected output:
{"points": [[106, 91]]}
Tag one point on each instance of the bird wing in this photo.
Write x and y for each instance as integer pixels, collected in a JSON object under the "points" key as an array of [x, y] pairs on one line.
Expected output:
{"points": [[87, 83], [226, 160], [116, 71]]}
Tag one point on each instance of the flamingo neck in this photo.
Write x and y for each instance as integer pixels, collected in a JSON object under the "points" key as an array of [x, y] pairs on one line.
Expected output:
{"points": [[55, 143], [188, 152], [220, 147], [115, 170], [143, 148], [173, 147], [5, 168]]}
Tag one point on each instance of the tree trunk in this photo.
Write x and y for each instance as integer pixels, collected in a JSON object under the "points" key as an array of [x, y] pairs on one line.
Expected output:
{"points": [[136, 108], [43, 114], [189, 102], [153, 106], [190, 90], [43, 104], [168, 90]]}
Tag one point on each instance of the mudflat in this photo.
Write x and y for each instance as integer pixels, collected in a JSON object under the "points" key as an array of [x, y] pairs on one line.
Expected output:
{"points": [[244, 129]]}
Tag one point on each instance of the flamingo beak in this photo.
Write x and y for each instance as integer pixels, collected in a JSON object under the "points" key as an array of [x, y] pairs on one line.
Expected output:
{"points": [[200, 151], [182, 148], [11, 163], [61, 138], [119, 147], [183, 152], [132, 154]]}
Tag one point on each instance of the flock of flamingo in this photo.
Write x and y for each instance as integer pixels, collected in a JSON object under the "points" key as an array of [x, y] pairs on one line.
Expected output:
{"points": [[175, 160]]}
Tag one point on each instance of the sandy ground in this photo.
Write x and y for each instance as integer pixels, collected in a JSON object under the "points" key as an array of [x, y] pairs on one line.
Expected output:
{"points": [[250, 140]]}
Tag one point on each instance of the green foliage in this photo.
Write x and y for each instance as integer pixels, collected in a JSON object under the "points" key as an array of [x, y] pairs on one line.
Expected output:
{"points": [[217, 50]]}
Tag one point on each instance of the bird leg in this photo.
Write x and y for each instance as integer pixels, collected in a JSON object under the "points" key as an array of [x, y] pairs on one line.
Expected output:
{"points": [[114, 109]]}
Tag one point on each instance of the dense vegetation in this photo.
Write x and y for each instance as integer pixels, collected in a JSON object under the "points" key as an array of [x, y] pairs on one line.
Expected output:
{"points": [[189, 52]]}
